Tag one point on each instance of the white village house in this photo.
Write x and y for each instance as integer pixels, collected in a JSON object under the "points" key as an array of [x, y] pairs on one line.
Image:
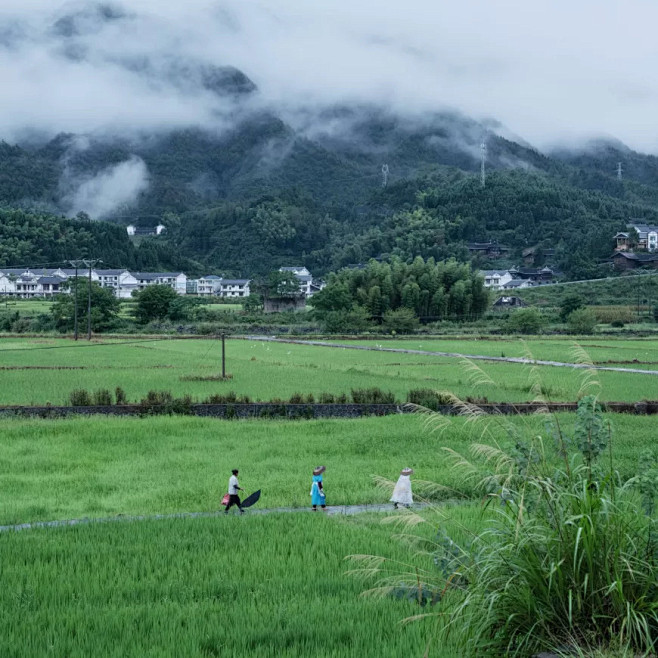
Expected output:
{"points": [[307, 284], [505, 280], [208, 285], [234, 288], [496, 279]]}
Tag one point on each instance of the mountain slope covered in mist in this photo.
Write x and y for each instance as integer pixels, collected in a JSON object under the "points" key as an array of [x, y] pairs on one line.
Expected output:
{"points": [[263, 194], [244, 185]]}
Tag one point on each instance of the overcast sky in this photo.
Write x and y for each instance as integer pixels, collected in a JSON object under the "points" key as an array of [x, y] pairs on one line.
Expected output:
{"points": [[550, 70]]}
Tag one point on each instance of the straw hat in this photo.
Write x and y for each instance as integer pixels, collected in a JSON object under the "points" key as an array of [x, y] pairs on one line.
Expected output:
{"points": [[406, 471], [319, 470]]}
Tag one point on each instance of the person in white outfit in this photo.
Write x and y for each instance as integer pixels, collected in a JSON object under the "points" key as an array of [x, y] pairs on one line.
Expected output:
{"points": [[402, 492], [233, 488]]}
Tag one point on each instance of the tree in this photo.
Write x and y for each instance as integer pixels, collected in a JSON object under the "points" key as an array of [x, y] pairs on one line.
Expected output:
{"points": [[104, 306], [569, 304], [347, 322], [282, 284], [154, 303], [525, 321], [332, 298], [582, 321], [253, 303], [401, 321], [423, 287]]}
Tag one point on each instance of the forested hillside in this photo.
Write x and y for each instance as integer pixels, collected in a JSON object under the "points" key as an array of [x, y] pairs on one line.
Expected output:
{"points": [[30, 239], [261, 194]]}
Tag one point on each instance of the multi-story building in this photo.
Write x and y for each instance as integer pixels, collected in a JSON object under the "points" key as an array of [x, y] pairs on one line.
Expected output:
{"points": [[208, 285], [234, 288], [175, 280]]}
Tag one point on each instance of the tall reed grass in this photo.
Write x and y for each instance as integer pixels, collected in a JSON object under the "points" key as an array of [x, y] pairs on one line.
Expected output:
{"points": [[568, 558]]}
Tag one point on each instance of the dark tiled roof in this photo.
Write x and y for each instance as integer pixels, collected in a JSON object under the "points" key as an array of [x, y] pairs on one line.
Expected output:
{"points": [[51, 279], [640, 258]]}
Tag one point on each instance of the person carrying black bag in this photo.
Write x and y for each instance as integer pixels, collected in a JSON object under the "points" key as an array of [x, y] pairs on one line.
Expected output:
{"points": [[233, 488]]}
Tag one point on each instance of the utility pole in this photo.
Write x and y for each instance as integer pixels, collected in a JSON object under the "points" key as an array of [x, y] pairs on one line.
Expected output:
{"points": [[90, 262], [75, 264], [223, 356], [384, 175], [483, 157]]}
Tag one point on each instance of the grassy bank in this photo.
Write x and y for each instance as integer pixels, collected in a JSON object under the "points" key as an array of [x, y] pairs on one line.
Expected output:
{"points": [[617, 290]]}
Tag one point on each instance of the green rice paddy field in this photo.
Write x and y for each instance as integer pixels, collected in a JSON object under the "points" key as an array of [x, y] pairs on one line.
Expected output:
{"points": [[269, 585], [261, 586], [40, 371]]}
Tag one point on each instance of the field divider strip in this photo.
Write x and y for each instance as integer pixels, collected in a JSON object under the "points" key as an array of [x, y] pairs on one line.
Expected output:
{"points": [[337, 510], [454, 355]]}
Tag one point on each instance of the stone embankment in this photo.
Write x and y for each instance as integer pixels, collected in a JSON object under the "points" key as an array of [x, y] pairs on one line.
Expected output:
{"points": [[267, 410]]}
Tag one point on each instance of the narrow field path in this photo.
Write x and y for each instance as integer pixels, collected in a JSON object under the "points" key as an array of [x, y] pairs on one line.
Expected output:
{"points": [[337, 510], [474, 357]]}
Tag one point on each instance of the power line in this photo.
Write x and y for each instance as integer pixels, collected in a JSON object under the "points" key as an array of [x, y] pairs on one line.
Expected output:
{"points": [[81, 345]]}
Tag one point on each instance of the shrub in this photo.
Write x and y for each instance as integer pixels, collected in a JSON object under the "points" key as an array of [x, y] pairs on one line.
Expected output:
{"points": [[120, 395], [80, 398], [372, 396], [525, 321], [400, 321], [102, 397], [582, 321], [343, 322], [163, 402], [428, 398]]}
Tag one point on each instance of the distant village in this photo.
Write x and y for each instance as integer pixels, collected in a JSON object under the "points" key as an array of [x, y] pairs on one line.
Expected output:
{"points": [[28, 283]]}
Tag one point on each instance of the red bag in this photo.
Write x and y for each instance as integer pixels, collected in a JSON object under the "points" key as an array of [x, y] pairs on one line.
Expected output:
{"points": [[225, 499]]}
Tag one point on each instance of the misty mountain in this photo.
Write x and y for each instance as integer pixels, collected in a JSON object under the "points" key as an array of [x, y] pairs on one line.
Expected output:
{"points": [[245, 185], [337, 157], [603, 156]]}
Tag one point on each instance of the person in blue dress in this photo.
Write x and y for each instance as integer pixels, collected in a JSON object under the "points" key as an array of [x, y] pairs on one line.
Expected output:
{"points": [[317, 490]]}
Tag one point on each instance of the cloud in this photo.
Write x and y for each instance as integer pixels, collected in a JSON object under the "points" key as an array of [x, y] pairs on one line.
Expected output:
{"points": [[549, 70], [112, 188]]}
